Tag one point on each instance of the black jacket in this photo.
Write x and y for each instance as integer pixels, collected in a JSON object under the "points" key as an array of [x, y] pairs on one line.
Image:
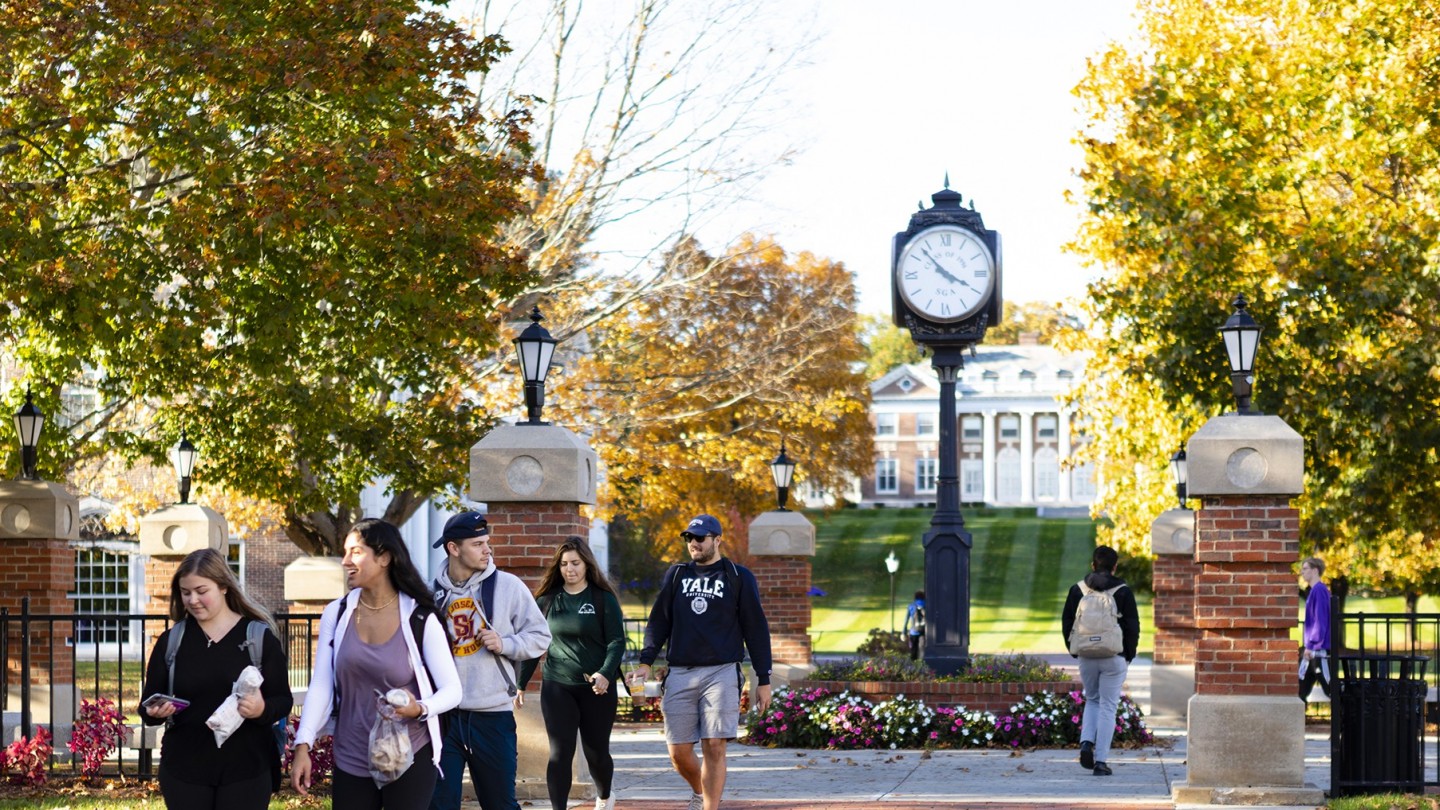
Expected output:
{"points": [[704, 614], [1124, 602]]}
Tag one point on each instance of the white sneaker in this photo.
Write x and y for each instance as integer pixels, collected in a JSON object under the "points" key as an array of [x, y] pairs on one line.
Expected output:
{"points": [[697, 802], [605, 804]]}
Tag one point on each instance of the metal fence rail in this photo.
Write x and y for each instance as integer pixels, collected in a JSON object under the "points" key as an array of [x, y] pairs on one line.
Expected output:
{"points": [[1376, 741], [107, 655]]}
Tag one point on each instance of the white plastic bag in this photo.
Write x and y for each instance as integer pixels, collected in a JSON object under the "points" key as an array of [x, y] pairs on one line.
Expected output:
{"points": [[390, 751], [227, 717]]}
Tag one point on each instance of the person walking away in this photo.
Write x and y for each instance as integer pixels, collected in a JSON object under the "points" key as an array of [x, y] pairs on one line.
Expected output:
{"points": [[582, 667], [381, 636], [1315, 636], [707, 615], [494, 624], [914, 625], [1101, 626], [213, 618]]}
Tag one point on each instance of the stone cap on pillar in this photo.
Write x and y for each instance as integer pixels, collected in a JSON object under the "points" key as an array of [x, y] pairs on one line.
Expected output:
{"points": [[180, 528], [314, 579], [532, 463], [1245, 454], [782, 534], [35, 510], [1173, 532]]}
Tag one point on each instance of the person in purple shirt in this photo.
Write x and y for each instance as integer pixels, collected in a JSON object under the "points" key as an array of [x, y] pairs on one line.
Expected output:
{"points": [[1316, 636]]}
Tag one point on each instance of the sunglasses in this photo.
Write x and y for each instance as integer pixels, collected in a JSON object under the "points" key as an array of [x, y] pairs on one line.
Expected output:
{"points": [[691, 538]]}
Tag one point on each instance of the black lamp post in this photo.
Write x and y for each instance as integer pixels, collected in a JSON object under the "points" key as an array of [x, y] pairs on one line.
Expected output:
{"points": [[536, 348], [183, 456], [782, 469], [1181, 470], [28, 422], [1242, 338]]}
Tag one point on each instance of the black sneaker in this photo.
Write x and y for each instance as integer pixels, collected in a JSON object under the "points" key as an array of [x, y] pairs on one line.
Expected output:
{"points": [[1087, 755], [1101, 769]]}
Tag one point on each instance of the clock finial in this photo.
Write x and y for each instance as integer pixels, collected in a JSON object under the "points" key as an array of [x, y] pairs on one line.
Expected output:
{"points": [[947, 178]]}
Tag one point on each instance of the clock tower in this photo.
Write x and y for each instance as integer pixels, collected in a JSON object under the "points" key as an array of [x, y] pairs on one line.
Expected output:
{"points": [[945, 277]]}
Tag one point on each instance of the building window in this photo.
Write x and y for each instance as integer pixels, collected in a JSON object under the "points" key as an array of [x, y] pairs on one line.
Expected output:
{"points": [[887, 477], [972, 480], [1047, 475], [235, 556], [1047, 426], [906, 384], [1009, 428], [102, 586], [886, 424], [926, 469], [1082, 483], [972, 428], [1007, 475], [925, 424]]}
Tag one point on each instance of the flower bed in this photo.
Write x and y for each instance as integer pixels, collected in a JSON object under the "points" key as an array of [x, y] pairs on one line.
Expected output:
{"points": [[988, 697], [815, 717]]}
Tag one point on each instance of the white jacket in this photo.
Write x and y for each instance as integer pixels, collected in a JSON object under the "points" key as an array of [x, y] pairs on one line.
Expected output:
{"points": [[320, 697]]}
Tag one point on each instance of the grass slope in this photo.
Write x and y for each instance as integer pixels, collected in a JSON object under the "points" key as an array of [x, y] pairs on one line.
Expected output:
{"points": [[1020, 570]]}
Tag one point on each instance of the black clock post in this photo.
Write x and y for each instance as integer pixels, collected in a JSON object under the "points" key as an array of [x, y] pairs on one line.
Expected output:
{"points": [[947, 292]]}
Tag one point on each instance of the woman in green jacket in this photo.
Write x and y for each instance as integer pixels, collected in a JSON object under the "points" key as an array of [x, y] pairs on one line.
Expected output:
{"points": [[582, 668]]}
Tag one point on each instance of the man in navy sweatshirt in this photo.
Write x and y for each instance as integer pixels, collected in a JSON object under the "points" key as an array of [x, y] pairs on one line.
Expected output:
{"points": [[707, 614]]}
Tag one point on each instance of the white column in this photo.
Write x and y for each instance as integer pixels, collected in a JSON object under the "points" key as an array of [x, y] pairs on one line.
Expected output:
{"points": [[1027, 457], [1062, 449], [987, 454]]}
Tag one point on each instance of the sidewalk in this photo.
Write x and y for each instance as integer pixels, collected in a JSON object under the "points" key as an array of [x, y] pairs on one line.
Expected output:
{"points": [[1043, 779]]}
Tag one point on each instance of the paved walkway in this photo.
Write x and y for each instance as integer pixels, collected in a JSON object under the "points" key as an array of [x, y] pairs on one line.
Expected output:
{"points": [[1046, 779]]}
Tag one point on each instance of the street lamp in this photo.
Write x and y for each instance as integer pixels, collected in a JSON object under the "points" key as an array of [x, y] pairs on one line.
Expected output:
{"points": [[892, 564], [182, 457], [782, 469], [28, 422], [1242, 338], [1181, 470], [536, 348]]}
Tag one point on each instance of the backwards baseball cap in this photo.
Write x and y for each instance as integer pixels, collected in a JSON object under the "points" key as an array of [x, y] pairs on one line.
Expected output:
{"points": [[463, 527], [702, 525]]}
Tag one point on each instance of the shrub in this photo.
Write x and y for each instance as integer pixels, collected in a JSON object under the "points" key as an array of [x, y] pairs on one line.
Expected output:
{"points": [[99, 731], [846, 720], [788, 722], [886, 667], [1009, 669], [322, 755], [27, 762], [880, 642], [958, 728], [905, 723]]}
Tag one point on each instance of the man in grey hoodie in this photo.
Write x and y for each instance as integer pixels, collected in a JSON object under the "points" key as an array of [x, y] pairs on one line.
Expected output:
{"points": [[494, 624]]}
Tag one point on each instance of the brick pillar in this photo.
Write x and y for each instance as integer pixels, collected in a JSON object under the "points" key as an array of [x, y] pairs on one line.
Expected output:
{"points": [[537, 482], [38, 520], [524, 535], [1246, 720], [781, 544], [1172, 676]]}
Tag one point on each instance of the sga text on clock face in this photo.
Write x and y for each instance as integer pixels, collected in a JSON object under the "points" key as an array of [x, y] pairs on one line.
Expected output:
{"points": [[945, 272]]}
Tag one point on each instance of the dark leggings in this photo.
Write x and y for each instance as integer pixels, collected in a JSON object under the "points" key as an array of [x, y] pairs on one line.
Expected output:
{"points": [[248, 794], [567, 709], [410, 792]]}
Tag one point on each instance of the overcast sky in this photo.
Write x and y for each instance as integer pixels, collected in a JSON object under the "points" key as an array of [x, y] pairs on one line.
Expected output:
{"points": [[899, 93]]}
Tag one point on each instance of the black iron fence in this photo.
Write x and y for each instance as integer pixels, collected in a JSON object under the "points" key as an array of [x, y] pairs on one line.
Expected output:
{"points": [[1385, 670], [107, 654]]}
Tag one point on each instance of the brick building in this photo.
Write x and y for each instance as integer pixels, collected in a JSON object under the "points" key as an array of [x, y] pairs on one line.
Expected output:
{"points": [[1015, 435]]}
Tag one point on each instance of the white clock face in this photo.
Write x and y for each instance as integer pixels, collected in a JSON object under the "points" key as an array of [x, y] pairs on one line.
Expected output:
{"points": [[945, 273]]}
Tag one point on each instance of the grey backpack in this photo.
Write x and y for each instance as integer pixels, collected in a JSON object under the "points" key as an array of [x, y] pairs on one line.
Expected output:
{"points": [[1096, 632]]}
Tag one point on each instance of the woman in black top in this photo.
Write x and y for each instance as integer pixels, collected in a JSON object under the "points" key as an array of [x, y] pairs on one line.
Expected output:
{"points": [[212, 613], [582, 666]]}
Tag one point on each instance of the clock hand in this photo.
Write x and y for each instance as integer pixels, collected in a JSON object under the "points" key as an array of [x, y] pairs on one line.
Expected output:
{"points": [[945, 274]]}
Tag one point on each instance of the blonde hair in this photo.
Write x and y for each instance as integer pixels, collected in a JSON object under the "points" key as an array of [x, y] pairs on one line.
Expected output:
{"points": [[212, 565]]}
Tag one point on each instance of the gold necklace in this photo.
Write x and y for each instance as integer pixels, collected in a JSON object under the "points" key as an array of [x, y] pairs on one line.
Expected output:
{"points": [[365, 604]]}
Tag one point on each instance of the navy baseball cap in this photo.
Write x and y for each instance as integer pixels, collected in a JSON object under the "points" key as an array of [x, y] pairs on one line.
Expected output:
{"points": [[463, 527], [702, 525]]}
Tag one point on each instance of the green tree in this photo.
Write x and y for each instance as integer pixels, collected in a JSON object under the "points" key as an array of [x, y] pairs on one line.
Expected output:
{"points": [[1287, 151], [887, 346], [271, 225]]}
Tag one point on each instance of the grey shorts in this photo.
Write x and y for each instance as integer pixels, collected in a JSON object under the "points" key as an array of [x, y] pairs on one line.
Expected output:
{"points": [[701, 703]]}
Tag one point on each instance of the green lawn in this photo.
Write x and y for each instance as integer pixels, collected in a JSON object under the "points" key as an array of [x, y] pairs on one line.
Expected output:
{"points": [[1020, 570]]}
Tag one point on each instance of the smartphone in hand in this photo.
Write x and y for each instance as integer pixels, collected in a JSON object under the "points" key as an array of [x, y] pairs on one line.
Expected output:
{"points": [[157, 700]]}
